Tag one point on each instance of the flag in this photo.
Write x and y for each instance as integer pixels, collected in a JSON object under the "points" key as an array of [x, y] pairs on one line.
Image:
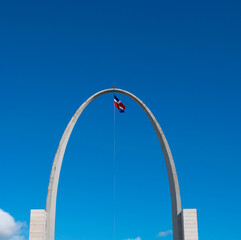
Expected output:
{"points": [[119, 105]]}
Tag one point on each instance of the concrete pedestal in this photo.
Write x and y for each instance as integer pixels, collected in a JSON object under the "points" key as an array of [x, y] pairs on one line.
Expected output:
{"points": [[38, 224], [37, 229], [189, 224]]}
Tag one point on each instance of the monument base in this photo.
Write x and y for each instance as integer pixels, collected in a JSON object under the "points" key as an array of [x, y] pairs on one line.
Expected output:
{"points": [[189, 224], [38, 218], [37, 229]]}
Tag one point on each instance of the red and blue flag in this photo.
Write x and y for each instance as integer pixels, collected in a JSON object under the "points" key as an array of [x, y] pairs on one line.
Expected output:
{"points": [[119, 105]]}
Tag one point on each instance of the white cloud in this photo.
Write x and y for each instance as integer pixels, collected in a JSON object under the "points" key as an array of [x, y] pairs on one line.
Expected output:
{"points": [[9, 228], [138, 238], [164, 234]]}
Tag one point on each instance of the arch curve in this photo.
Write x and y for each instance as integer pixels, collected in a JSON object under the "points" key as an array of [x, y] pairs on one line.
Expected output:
{"points": [[58, 159]]}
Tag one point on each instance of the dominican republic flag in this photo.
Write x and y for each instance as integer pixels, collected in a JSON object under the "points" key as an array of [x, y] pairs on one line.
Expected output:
{"points": [[119, 104]]}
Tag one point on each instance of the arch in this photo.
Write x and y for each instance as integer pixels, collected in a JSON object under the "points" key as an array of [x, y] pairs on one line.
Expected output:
{"points": [[170, 166]]}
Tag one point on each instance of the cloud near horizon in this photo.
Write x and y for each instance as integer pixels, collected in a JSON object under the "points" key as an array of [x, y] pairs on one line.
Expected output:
{"points": [[138, 238], [9, 228], [164, 234]]}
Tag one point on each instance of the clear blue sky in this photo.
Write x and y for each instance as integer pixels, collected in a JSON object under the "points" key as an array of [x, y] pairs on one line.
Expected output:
{"points": [[183, 59]]}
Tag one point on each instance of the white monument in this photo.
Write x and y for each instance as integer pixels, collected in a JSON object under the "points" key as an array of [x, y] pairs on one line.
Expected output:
{"points": [[184, 222]]}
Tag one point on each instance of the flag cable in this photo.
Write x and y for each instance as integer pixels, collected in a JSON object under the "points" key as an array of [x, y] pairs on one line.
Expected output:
{"points": [[114, 177]]}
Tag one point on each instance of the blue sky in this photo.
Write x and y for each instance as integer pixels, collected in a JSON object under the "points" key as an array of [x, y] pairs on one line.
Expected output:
{"points": [[183, 59]]}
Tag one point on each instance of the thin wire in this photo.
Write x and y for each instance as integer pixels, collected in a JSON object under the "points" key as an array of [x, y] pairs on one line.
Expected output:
{"points": [[114, 178]]}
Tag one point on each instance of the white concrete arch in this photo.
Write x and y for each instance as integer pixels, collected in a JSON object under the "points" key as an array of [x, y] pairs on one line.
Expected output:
{"points": [[171, 170]]}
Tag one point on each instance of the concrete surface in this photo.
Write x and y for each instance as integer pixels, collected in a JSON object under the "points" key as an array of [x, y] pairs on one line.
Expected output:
{"points": [[189, 223], [37, 229]]}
